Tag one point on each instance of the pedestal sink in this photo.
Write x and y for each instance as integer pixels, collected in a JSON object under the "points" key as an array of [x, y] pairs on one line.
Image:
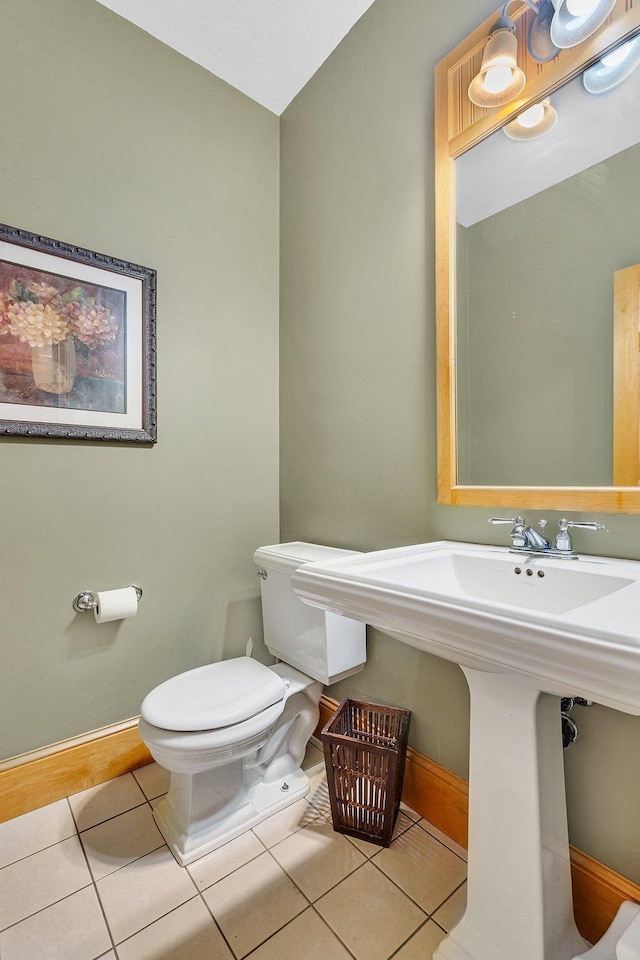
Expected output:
{"points": [[525, 630]]}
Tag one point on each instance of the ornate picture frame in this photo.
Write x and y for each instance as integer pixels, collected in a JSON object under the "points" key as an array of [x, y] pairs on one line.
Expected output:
{"points": [[77, 342]]}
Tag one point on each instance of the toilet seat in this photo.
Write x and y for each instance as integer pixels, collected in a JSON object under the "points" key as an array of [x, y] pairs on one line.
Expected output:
{"points": [[182, 751], [215, 696]]}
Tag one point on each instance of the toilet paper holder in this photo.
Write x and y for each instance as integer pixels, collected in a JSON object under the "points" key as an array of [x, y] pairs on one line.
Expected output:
{"points": [[88, 599]]}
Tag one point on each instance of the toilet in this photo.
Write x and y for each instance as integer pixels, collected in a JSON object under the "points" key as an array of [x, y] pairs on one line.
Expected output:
{"points": [[233, 734]]}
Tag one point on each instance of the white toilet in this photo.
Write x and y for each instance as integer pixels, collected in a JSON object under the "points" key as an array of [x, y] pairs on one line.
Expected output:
{"points": [[234, 733]]}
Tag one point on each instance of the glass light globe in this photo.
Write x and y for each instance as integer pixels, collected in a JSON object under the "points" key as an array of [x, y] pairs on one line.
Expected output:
{"points": [[533, 116], [581, 8], [617, 56], [497, 79]]}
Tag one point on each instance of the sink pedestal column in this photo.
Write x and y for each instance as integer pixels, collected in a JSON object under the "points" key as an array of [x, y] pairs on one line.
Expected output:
{"points": [[519, 904]]}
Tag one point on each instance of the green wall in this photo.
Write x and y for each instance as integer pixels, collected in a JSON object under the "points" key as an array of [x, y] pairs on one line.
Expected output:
{"points": [[358, 458], [114, 142]]}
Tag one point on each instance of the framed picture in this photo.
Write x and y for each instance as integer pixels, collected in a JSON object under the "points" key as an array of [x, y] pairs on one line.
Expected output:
{"points": [[77, 342]]}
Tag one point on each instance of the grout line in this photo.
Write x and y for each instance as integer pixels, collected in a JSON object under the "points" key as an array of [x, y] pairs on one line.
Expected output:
{"points": [[42, 909], [93, 882], [410, 937], [127, 864], [122, 865], [429, 914], [151, 923], [36, 852], [318, 816], [415, 932], [419, 823], [218, 927], [355, 870], [108, 819], [271, 935], [459, 887], [330, 928], [280, 867], [231, 872]]}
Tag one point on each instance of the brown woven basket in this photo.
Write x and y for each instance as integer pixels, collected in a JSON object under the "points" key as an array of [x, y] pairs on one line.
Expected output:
{"points": [[365, 745]]}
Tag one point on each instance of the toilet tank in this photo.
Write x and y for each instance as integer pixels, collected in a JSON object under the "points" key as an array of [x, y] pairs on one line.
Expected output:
{"points": [[323, 645]]}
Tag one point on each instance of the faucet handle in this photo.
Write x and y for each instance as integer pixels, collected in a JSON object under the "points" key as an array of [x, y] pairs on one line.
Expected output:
{"points": [[518, 537], [563, 538], [564, 524]]}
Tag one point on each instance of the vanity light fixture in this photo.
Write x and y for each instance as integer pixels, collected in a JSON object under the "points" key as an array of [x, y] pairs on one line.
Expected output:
{"points": [[557, 24], [614, 68], [500, 79], [575, 20], [539, 43], [532, 123]]}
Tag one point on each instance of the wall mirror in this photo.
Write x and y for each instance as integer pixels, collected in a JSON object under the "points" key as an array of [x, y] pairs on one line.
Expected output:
{"points": [[538, 284]]}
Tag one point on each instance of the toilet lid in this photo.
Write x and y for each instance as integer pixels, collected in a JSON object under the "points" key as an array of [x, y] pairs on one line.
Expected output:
{"points": [[214, 696]]}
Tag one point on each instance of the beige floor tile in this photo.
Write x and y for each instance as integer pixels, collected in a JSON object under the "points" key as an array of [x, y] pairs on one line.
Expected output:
{"points": [[107, 800], [422, 943], [422, 867], [452, 910], [369, 914], [409, 812], [286, 822], [187, 933], [316, 858], [253, 903], [371, 849], [73, 929], [403, 823], [34, 831], [142, 892], [153, 780], [121, 840], [305, 938], [365, 847], [312, 756], [215, 866], [318, 794], [443, 838], [41, 879]]}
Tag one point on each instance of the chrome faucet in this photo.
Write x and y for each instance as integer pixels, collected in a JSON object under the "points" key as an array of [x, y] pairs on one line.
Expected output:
{"points": [[525, 539]]}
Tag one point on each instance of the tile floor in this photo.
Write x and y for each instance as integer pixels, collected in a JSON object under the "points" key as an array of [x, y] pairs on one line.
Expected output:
{"points": [[91, 877]]}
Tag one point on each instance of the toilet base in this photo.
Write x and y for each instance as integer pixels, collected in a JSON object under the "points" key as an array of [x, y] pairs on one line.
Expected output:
{"points": [[259, 802]]}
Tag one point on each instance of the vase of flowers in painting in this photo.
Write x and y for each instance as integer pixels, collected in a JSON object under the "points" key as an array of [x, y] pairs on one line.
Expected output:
{"points": [[54, 366], [51, 322]]}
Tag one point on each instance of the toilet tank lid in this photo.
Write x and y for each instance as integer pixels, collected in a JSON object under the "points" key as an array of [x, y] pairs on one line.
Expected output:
{"points": [[214, 696], [289, 556]]}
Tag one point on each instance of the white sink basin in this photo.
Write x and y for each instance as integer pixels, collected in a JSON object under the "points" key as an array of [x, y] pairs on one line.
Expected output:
{"points": [[572, 626], [525, 631]]}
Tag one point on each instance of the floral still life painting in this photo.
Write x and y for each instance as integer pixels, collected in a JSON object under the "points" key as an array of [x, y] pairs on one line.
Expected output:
{"points": [[76, 343]]}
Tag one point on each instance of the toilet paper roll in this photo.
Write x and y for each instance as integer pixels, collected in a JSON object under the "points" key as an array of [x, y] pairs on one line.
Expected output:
{"points": [[116, 604]]}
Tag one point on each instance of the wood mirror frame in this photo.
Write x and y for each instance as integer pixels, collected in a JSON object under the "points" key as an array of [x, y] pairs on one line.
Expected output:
{"points": [[460, 125]]}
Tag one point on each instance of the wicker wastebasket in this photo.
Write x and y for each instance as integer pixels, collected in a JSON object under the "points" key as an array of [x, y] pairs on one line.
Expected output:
{"points": [[365, 745]]}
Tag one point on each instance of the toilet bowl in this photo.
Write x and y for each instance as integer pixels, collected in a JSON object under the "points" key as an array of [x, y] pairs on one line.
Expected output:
{"points": [[233, 734]]}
